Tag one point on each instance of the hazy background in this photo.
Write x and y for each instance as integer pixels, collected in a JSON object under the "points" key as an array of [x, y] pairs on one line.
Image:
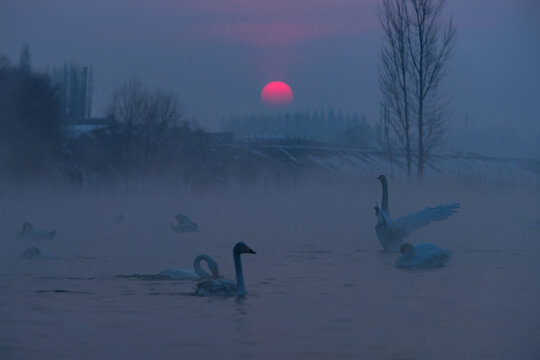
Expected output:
{"points": [[219, 54]]}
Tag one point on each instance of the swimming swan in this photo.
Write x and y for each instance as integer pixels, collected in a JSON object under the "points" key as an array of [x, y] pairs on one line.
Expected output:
{"points": [[391, 232], [223, 287], [28, 232], [422, 256], [184, 224], [35, 253], [196, 274]]}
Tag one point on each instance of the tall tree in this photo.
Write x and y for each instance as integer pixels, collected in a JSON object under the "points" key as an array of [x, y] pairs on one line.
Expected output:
{"points": [[394, 71], [417, 45], [430, 44]]}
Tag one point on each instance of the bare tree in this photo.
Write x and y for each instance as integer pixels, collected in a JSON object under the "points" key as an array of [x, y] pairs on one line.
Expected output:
{"points": [[416, 48], [430, 44], [162, 112], [394, 71], [126, 111], [141, 120]]}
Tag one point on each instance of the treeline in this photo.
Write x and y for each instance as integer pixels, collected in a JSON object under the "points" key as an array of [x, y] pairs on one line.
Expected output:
{"points": [[324, 125], [146, 138]]}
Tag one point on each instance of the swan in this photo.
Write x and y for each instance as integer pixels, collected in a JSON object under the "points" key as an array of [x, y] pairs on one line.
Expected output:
{"points": [[223, 287], [196, 274], [28, 232], [184, 224], [35, 253], [422, 256], [391, 232]]}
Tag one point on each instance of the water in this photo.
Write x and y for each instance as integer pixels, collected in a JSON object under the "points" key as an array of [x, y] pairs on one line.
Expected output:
{"points": [[318, 287]]}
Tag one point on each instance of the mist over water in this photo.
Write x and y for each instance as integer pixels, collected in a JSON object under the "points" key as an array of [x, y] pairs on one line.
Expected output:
{"points": [[319, 286]]}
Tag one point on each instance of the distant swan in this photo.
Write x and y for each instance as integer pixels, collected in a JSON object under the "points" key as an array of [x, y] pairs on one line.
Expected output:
{"points": [[197, 273], [391, 232], [28, 232], [184, 224], [222, 287], [422, 256], [35, 253]]}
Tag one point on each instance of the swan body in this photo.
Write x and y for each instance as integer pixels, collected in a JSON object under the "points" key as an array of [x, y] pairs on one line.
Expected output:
{"points": [[184, 224], [422, 256], [35, 253], [28, 232], [197, 273], [224, 287], [391, 232]]}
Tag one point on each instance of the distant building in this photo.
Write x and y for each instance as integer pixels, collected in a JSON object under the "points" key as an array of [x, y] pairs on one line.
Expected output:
{"points": [[75, 84]]}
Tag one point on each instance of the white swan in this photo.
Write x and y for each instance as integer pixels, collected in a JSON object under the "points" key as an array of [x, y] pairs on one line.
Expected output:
{"points": [[35, 253], [28, 232], [223, 287], [197, 273], [391, 232], [422, 256], [184, 224]]}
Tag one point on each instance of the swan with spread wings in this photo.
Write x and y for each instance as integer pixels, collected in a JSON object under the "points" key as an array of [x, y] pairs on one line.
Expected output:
{"points": [[391, 232]]}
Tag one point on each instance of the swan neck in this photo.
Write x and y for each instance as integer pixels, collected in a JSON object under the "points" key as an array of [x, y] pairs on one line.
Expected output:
{"points": [[197, 267], [241, 288], [385, 197]]}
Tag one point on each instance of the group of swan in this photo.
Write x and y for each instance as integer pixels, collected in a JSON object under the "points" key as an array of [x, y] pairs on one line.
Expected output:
{"points": [[213, 284], [184, 224], [391, 232], [224, 287]]}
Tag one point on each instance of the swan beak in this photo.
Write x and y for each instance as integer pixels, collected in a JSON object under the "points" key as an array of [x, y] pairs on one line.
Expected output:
{"points": [[249, 251]]}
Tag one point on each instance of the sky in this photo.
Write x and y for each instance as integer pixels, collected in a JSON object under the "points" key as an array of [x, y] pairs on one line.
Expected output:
{"points": [[218, 54]]}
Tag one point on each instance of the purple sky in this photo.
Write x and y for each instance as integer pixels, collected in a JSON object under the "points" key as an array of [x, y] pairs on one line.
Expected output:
{"points": [[219, 54]]}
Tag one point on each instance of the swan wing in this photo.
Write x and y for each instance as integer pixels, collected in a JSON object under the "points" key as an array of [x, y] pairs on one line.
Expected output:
{"points": [[415, 221]]}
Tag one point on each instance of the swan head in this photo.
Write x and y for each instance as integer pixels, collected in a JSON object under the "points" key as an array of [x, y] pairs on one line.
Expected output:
{"points": [[242, 248], [27, 226], [382, 179], [407, 249]]}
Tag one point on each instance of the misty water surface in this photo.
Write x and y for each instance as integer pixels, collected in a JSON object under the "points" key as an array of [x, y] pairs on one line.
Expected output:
{"points": [[318, 288]]}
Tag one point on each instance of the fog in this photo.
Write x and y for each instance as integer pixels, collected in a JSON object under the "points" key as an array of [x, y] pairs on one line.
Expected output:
{"points": [[318, 287]]}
